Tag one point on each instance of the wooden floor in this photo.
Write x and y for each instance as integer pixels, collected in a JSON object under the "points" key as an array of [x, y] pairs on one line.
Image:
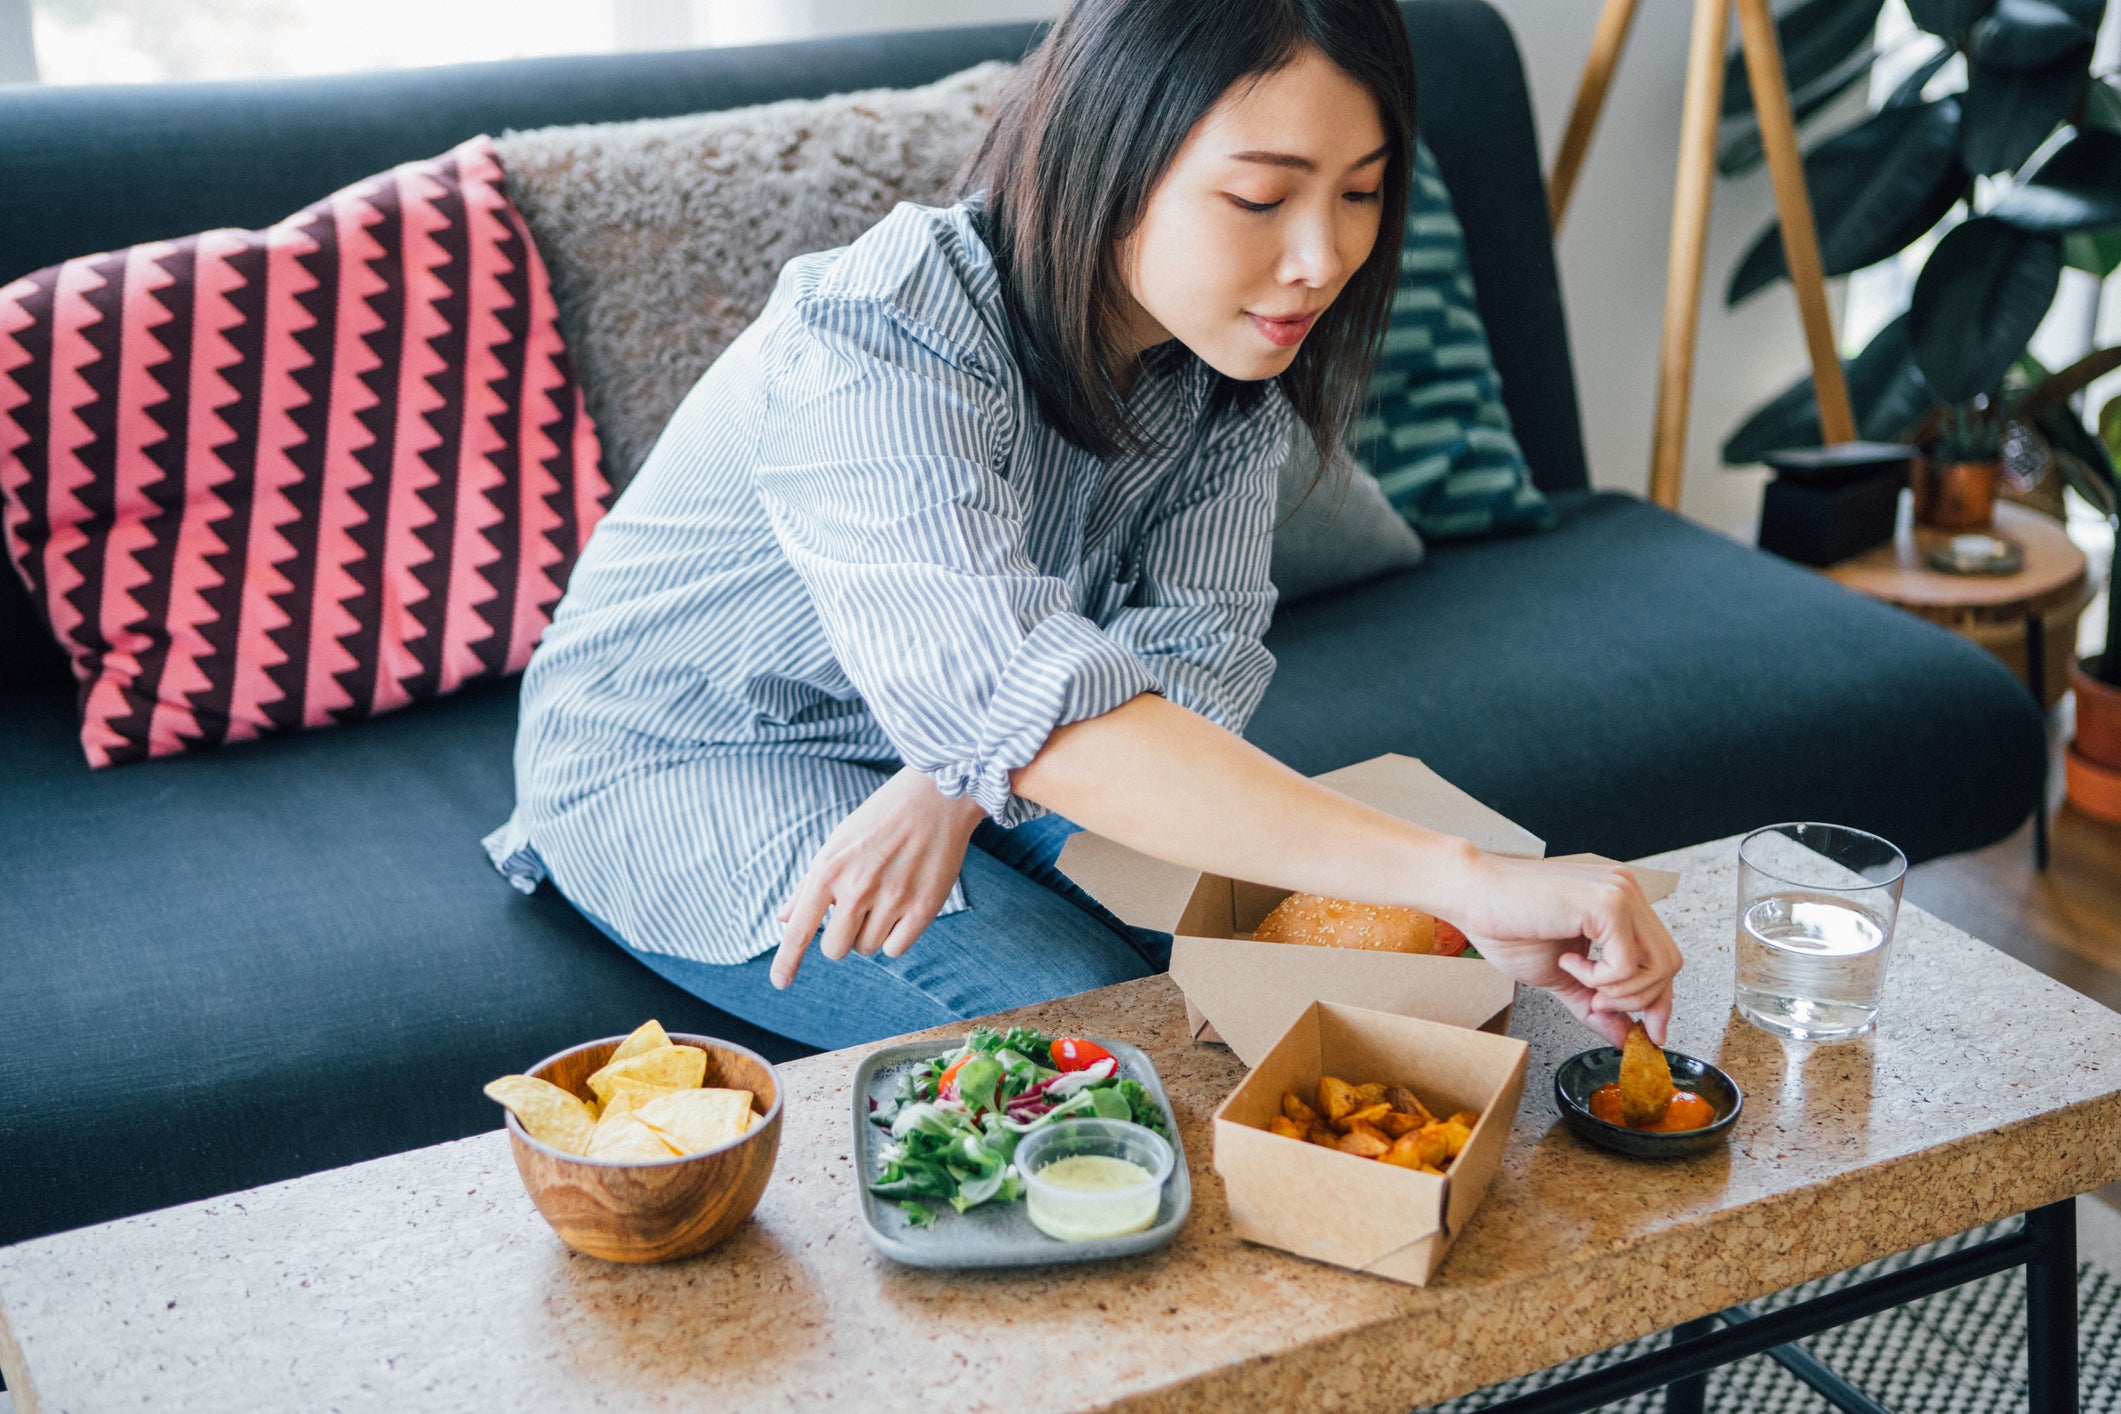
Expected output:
{"points": [[2066, 922]]}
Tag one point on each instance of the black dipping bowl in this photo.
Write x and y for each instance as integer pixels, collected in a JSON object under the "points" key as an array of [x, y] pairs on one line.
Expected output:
{"points": [[1584, 1072]]}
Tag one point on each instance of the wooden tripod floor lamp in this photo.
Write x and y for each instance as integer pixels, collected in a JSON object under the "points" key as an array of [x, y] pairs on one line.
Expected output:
{"points": [[1690, 210]]}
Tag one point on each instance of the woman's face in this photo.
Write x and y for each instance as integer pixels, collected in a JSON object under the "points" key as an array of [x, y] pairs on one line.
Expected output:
{"points": [[1269, 208]]}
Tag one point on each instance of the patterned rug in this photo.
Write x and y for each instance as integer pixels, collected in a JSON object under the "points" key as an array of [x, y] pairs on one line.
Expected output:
{"points": [[1961, 1351]]}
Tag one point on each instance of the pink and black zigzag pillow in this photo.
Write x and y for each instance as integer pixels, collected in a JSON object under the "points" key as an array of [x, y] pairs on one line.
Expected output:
{"points": [[263, 480]]}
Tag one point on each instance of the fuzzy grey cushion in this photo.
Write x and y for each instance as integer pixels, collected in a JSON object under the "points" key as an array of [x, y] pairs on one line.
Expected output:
{"points": [[1342, 532], [664, 237]]}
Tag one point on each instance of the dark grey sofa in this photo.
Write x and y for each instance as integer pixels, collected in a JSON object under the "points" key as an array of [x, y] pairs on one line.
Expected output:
{"points": [[236, 967]]}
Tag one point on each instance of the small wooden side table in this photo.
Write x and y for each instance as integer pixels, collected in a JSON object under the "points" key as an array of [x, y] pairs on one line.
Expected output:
{"points": [[2037, 606]]}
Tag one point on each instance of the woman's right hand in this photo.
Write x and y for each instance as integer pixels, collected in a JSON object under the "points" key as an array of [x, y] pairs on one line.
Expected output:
{"points": [[884, 871], [1538, 920]]}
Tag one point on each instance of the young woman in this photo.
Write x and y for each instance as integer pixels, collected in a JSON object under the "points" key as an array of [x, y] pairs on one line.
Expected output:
{"points": [[963, 545]]}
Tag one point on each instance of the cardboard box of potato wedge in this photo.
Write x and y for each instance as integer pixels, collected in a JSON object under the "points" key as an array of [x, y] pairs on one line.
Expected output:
{"points": [[1388, 1220], [1246, 993]]}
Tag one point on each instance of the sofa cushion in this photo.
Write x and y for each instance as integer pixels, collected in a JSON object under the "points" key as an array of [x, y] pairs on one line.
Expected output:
{"points": [[665, 236], [1630, 683], [1434, 431], [231, 968], [262, 480], [1334, 530]]}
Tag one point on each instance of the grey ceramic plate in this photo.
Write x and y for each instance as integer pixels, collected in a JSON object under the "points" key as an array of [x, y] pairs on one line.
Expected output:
{"points": [[994, 1234]]}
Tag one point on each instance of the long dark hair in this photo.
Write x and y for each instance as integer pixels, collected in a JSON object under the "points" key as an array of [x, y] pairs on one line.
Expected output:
{"points": [[1088, 126]]}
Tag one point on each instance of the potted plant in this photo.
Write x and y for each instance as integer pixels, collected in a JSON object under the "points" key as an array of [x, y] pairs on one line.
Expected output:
{"points": [[2092, 766], [1965, 450], [2009, 97], [2004, 140]]}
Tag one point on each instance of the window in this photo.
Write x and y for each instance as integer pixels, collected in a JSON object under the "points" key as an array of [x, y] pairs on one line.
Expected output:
{"points": [[137, 41]]}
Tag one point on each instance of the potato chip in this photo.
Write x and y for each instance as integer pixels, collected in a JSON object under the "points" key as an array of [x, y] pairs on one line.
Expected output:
{"points": [[623, 1138], [547, 1113], [648, 1036], [693, 1120], [625, 1094], [1646, 1088], [678, 1067]]}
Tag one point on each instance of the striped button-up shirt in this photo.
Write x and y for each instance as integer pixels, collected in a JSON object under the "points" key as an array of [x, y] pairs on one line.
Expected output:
{"points": [[859, 545]]}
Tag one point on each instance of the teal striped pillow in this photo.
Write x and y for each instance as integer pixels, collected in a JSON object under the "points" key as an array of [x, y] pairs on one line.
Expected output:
{"points": [[1434, 431]]}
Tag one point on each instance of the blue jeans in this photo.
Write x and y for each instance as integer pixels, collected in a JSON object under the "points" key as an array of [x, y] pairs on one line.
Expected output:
{"points": [[1028, 936]]}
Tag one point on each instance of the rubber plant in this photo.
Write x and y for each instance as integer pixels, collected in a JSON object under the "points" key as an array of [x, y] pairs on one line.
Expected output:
{"points": [[2004, 147]]}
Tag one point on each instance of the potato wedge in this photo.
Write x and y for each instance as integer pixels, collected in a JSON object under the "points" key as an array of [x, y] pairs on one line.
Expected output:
{"points": [[1297, 1110], [1400, 1098], [1323, 1135], [1395, 1125], [1402, 1154], [1370, 1094], [1431, 1145], [1335, 1098], [1367, 1114], [1287, 1128], [1646, 1087], [1455, 1136], [1364, 1143]]}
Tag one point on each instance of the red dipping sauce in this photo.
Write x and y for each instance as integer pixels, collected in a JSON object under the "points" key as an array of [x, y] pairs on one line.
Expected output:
{"points": [[1687, 1111]]}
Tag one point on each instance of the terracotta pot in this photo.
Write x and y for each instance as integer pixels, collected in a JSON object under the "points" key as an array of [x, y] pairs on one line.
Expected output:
{"points": [[1954, 495], [2098, 716], [2093, 789]]}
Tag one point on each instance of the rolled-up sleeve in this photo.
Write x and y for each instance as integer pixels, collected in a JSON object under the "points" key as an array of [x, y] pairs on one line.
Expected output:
{"points": [[880, 451], [1202, 604]]}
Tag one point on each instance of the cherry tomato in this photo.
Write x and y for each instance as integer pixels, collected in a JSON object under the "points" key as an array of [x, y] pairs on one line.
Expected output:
{"points": [[1450, 942], [1074, 1053], [949, 1077]]}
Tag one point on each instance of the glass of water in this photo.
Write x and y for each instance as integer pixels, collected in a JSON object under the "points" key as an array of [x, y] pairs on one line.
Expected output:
{"points": [[1816, 906]]}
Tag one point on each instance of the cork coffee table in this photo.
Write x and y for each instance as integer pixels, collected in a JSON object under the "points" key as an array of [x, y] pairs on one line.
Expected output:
{"points": [[427, 1281]]}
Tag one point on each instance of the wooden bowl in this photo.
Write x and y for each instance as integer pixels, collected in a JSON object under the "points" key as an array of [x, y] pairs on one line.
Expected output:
{"points": [[660, 1211]]}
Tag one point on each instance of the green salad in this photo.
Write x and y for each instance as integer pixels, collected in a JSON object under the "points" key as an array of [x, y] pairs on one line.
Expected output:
{"points": [[957, 1118]]}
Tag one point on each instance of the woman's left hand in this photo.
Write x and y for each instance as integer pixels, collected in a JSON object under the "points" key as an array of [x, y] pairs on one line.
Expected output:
{"points": [[884, 872]]}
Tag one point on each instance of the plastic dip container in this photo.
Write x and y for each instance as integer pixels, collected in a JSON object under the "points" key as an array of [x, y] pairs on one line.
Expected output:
{"points": [[1091, 1178]]}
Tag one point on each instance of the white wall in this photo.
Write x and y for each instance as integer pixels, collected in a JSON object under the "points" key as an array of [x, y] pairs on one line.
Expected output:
{"points": [[18, 55], [1612, 253]]}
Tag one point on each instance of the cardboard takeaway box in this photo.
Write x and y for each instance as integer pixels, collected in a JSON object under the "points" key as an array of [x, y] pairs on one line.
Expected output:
{"points": [[1246, 994], [1361, 1213]]}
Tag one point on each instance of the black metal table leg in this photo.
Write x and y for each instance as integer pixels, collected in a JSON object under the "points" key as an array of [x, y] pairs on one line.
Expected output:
{"points": [[2051, 1309], [1813, 1371], [1698, 1346], [2036, 679], [1689, 1395]]}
